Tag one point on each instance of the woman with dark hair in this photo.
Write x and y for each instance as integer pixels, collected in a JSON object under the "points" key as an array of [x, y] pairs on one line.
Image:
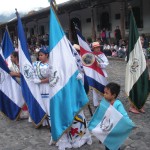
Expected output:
{"points": [[41, 78]]}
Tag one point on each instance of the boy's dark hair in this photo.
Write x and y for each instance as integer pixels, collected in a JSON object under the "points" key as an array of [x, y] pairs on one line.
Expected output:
{"points": [[114, 88], [15, 54]]}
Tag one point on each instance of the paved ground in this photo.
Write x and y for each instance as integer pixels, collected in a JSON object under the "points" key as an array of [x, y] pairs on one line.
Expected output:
{"points": [[21, 135]]}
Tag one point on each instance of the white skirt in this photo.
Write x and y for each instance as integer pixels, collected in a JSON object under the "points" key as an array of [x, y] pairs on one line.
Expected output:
{"points": [[77, 136]]}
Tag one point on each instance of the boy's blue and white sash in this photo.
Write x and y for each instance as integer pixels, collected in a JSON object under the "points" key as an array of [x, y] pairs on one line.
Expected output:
{"points": [[110, 126]]}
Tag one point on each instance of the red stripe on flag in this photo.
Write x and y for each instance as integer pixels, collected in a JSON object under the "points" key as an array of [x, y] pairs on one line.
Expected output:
{"points": [[93, 63]]}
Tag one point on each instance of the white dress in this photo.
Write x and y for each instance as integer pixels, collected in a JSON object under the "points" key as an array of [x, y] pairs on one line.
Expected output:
{"points": [[42, 72]]}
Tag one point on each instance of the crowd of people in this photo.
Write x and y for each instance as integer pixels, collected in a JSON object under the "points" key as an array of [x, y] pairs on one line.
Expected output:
{"points": [[117, 46], [100, 49], [114, 47]]}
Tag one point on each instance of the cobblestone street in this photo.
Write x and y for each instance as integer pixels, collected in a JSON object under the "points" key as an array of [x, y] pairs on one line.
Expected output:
{"points": [[21, 135]]}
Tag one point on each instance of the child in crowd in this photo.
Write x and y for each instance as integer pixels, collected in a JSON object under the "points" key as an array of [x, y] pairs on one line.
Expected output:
{"points": [[15, 72], [102, 63], [111, 92]]}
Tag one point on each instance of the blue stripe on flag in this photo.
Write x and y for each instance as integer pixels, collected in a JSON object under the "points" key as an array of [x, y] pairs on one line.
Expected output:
{"points": [[119, 133], [54, 26], [3, 65], [98, 115], [7, 45], [79, 34], [36, 116], [22, 38], [69, 103], [8, 107], [97, 85]]}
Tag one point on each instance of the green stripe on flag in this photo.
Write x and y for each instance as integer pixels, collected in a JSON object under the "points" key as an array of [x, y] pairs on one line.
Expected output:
{"points": [[139, 92], [133, 34]]}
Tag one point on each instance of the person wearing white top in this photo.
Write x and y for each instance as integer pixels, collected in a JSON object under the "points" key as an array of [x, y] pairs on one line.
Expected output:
{"points": [[103, 63]]}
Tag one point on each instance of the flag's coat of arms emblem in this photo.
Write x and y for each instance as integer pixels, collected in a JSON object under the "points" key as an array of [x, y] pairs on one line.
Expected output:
{"points": [[53, 78], [134, 65], [106, 124], [28, 72], [88, 59], [2, 76]]}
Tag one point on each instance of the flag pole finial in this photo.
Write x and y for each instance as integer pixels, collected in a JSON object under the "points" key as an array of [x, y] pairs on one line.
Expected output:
{"points": [[16, 12]]}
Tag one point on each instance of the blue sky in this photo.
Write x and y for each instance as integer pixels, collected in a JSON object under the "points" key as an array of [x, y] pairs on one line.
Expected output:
{"points": [[8, 6]]}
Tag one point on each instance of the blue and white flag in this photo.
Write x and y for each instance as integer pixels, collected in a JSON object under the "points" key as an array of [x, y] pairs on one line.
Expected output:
{"points": [[110, 126], [67, 96], [11, 99], [30, 90], [7, 45]]}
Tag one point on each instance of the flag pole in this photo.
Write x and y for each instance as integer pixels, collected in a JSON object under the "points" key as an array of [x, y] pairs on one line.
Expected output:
{"points": [[90, 110], [52, 5], [55, 11], [7, 30], [16, 12]]}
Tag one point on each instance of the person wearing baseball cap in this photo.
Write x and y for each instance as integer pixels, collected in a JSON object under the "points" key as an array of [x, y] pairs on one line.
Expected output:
{"points": [[95, 44], [102, 62]]}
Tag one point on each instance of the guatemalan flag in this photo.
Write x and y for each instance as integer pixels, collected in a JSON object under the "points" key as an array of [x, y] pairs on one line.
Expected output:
{"points": [[11, 99], [110, 126], [94, 73], [67, 96], [30, 90]]}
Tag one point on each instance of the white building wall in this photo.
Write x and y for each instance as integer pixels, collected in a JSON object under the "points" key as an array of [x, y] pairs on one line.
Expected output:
{"points": [[115, 9], [64, 21], [33, 24], [29, 26], [44, 22], [85, 27], [82, 15]]}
